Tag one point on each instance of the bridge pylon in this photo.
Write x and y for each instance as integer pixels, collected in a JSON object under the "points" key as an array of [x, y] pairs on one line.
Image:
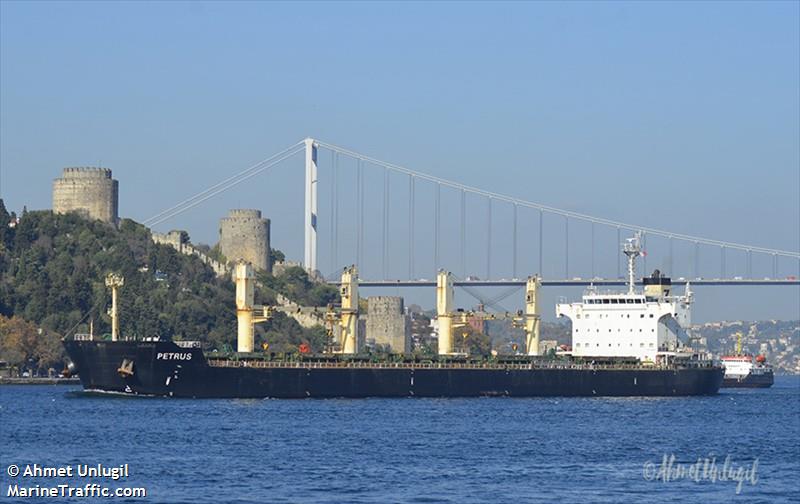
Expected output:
{"points": [[310, 256]]}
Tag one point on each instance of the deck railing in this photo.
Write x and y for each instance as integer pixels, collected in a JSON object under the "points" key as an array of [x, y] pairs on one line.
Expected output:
{"points": [[440, 365]]}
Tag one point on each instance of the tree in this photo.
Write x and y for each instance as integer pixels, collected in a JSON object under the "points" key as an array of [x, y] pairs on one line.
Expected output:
{"points": [[23, 345], [52, 274]]}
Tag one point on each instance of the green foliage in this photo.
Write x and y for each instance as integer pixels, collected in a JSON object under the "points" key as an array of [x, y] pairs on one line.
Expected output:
{"points": [[276, 255], [284, 334], [216, 253], [295, 285], [53, 267], [53, 273], [25, 347]]}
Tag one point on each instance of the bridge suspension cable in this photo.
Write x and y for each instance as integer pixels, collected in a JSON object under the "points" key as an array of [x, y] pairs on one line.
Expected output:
{"points": [[224, 185], [552, 210]]}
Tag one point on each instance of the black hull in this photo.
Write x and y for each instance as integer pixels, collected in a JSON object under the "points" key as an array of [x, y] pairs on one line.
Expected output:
{"points": [[164, 369], [765, 380]]}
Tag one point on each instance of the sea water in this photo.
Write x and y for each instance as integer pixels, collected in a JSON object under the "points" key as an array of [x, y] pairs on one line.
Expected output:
{"points": [[740, 445]]}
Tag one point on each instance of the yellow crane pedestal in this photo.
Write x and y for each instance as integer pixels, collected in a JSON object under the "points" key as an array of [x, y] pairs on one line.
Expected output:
{"points": [[247, 313], [444, 311], [114, 281], [348, 323], [532, 319]]}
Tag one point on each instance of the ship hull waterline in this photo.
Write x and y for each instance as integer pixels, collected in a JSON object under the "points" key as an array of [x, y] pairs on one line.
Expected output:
{"points": [[765, 380], [165, 369]]}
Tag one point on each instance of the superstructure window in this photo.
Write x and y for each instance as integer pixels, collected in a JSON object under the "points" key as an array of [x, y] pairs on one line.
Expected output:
{"points": [[606, 301]]}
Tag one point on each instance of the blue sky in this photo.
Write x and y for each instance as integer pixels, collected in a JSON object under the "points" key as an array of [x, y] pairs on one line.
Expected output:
{"points": [[681, 116]]}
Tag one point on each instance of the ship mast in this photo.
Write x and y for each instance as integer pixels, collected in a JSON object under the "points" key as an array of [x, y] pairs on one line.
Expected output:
{"points": [[114, 281], [633, 249]]}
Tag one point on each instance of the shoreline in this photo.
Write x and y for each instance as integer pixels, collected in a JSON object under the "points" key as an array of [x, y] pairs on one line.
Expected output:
{"points": [[39, 381]]}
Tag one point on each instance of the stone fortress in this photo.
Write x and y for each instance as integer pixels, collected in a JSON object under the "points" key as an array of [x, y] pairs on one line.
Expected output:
{"points": [[89, 191], [243, 234], [177, 240]]}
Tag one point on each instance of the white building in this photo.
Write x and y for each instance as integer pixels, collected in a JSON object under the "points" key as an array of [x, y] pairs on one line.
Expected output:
{"points": [[644, 325]]}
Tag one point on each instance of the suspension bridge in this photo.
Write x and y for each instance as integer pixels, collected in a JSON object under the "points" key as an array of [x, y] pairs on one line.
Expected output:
{"points": [[400, 226]]}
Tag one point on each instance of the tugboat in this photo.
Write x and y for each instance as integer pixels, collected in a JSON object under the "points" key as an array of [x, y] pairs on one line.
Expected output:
{"points": [[642, 360], [745, 371]]}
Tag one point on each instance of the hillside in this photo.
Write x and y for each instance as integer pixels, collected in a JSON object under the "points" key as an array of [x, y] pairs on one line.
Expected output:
{"points": [[52, 270]]}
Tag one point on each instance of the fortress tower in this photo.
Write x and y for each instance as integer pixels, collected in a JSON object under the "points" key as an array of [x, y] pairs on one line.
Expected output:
{"points": [[243, 234], [386, 323], [89, 191]]}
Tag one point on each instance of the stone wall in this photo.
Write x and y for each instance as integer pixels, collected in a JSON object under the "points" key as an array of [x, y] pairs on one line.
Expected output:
{"points": [[89, 191], [243, 234], [175, 239]]}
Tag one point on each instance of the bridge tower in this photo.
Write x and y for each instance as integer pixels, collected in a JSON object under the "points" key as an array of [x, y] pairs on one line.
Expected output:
{"points": [[310, 256]]}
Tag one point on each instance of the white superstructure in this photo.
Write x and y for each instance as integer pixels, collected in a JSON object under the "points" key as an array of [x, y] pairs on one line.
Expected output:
{"points": [[646, 325]]}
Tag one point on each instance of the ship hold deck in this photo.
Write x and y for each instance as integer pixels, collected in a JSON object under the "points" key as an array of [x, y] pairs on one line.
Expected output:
{"points": [[165, 369]]}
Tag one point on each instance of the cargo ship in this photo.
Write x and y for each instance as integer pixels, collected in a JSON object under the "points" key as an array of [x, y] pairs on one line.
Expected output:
{"points": [[642, 360], [746, 371]]}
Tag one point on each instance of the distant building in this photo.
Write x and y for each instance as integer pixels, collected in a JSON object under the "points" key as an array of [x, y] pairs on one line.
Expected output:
{"points": [[89, 191], [243, 234], [387, 324]]}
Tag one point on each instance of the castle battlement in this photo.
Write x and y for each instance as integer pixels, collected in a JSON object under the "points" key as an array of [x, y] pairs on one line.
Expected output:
{"points": [[88, 172]]}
